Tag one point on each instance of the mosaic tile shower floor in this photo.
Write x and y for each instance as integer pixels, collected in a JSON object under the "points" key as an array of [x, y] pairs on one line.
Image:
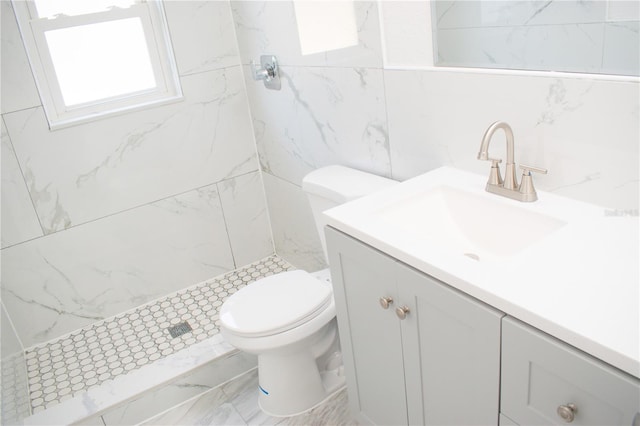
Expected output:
{"points": [[86, 358]]}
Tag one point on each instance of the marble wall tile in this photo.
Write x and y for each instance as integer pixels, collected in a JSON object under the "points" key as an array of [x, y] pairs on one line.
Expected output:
{"points": [[571, 47], [570, 36], [623, 11], [202, 34], [466, 14], [19, 220], [246, 217], [18, 86], [85, 172], [621, 52], [585, 132], [321, 116], [294, 232], [67, 280], [270, 28]]}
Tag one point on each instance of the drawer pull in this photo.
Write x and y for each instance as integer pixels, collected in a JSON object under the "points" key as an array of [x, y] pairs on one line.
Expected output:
{"points": [[567, 412], [402, 312], [385, 302]]}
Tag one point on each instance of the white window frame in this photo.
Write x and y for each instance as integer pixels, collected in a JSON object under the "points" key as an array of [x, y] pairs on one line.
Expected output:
{"points": [[150, 13]]}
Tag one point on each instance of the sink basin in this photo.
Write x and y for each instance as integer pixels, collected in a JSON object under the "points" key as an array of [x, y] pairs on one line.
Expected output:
{"points": [[468, 224]]}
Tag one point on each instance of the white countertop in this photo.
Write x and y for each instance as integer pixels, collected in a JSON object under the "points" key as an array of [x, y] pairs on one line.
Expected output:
{"points": [[579, 284]]}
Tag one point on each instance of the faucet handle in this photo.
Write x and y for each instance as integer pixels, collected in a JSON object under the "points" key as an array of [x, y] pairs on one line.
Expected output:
{"points": [[526, 170], [494, 176], [526, 183]]}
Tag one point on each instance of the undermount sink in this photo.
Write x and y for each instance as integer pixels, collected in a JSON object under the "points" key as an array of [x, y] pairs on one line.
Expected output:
{"points": [[468, 224]]}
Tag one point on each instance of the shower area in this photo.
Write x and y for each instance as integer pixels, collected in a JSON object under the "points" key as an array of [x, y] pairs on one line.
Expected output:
{"points": [[122, 236]]}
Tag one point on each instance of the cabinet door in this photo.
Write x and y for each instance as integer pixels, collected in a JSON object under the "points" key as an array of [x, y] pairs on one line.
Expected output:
{"points": [[542, 375], [451, 352], [369, 334]]}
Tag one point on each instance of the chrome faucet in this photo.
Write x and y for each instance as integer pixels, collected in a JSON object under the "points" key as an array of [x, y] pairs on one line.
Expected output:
{"points": [[509, 186]]}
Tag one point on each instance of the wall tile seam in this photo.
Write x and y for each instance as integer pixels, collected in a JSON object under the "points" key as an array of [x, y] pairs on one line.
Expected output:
{"points": [[326, 66], [21, 109], [226, 226], [131, 208], [13, 328], [265, 202], [386, 122], [26, 187], [245, 78], [283, 180], [213, 69], [522, 74]]}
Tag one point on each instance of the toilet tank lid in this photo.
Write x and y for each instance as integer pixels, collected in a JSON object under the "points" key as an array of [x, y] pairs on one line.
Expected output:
{"points": [[342, 184]]}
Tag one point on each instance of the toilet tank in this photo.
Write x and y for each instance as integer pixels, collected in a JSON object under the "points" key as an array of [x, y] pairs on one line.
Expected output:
{"points": [[331, 186]]}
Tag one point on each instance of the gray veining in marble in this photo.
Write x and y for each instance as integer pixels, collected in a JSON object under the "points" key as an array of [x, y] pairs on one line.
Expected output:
{"points": [[19, 220], [572, 36], [66, 280], [136, 158], [236, 402]]}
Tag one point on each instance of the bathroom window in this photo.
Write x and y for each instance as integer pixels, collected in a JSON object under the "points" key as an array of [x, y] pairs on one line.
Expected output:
{"points": [[99, 57]]}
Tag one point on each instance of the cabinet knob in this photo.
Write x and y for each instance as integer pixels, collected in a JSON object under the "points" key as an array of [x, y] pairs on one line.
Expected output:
{"points": [[385, 302], [402, 312], [567, 412]]}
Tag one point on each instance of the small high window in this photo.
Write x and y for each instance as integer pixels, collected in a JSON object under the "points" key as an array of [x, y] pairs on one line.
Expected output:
{"points": [[99, 57]]}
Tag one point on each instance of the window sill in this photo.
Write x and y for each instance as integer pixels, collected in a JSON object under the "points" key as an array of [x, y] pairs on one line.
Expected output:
{"points": [[59, 123]]}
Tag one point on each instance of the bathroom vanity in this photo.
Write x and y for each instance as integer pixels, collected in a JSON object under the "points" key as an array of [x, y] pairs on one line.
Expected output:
{"points": [[443, 320]]}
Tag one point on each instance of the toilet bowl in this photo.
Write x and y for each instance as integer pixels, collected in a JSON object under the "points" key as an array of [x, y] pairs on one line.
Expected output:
{"points": [[289, 319]]}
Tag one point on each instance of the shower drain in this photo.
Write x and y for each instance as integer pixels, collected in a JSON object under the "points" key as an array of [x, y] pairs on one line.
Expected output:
{"points": [[179, 329]]}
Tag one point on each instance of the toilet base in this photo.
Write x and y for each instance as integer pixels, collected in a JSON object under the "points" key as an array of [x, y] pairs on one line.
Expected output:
{"points": [[296, 388], [293, 382], [327, 397]]}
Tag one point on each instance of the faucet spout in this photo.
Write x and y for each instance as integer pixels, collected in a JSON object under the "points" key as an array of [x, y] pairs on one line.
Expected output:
{"points": [[510, 180], [509, 187]]}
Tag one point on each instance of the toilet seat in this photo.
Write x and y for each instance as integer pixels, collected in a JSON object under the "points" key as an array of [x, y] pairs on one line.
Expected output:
{"points": [[275, 304]]}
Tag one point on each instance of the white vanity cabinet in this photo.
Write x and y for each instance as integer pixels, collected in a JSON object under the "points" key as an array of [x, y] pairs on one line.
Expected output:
{"points": [[432, 356], [545, 381]]}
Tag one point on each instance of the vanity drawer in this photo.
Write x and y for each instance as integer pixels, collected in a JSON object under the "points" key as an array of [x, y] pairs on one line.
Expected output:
{"points": [[541, 375]]}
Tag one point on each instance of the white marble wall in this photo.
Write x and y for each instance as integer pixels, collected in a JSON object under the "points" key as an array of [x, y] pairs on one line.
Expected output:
{"points": [[101, 217], [577, 36], [344, 107], [585, 132], [330, 110]]}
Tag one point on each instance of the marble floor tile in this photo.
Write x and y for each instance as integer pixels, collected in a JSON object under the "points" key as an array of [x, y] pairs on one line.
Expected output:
{"points": [[210, 408], [236, 403]]}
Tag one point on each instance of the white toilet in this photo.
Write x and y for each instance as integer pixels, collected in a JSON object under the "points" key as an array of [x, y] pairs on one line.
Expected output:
{"points": [[289, 319]]}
